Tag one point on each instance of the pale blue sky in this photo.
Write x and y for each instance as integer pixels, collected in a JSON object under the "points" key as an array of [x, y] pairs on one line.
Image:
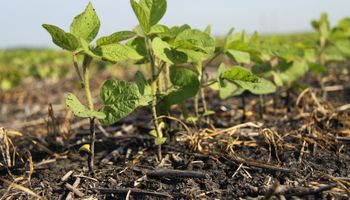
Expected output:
{"points": [[21, 19]]}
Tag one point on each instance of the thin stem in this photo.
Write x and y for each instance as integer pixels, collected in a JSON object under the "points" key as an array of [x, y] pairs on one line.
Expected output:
{"points": [[154, 94], [244, 115], [76, 67], [212, 59], [91, 156], [86, 62], [196, 99]]}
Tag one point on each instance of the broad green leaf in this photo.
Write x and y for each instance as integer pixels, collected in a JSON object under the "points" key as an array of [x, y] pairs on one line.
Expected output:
{"points": [[161, 31], [343, 46], [238, 73], [116, 52], [186, 85], [86, 25], [73, 103], [149, 12], [317, 68], [119, 99], [139, 45], [332, 53], [176, 30], [239, 56], [261, 86], [164, 52], [226, 90], [115, 37], [262, 70], [182, 76], [144, 89], [192, 39], [160, 140], [292, 72], [156, 9], [62, 39], [344, 24]]}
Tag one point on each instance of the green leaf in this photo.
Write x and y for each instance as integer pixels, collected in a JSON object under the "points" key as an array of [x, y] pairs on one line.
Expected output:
{"points": [[62, 39], [87, 49], [116, 52], [262, 70], [153, 133], [238, 73], [144, 89], [149, 12], [186, 85], [86, 25], [73, 103], [332, 53], [207, 30], [226, 90], [139, 45], [119, 99], [182, 76], [192, 39], [344, 24], [262, 86], [239, 56], [161, 31], [343, 46], [228, 39], [291, 72], [164, 52], [115, 37], [317, 68], [160, 140]]}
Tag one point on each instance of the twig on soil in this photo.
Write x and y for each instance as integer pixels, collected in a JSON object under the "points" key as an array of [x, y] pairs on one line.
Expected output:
{"points": [[302, 192], [125, 191], [234, 128], [21, 188], [73, 188], [67, 175], [86, 177], [169, 173], [237, 170], [257, 164], [45, 162]]}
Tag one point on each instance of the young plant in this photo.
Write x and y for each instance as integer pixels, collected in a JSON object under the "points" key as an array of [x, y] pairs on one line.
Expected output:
{"points": [[119, 98], [84, 27], [175, 52], [240, 48]]}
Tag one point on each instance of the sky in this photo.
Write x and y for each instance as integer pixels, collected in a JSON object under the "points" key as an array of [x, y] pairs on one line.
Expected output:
{"points": [[21, 19]]}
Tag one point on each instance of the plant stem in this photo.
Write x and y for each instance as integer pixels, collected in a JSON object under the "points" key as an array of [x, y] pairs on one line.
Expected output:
{"points": [[86, 62], [196, 99], [76, 67], [322, 61], [154, 94], [244, 115]]}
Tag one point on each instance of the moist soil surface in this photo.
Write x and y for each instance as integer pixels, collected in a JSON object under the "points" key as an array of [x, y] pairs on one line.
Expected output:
{"points": [[273, 147]]}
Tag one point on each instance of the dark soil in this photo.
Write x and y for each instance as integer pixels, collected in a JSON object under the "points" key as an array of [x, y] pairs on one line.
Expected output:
{"points": [[303, 153]]}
